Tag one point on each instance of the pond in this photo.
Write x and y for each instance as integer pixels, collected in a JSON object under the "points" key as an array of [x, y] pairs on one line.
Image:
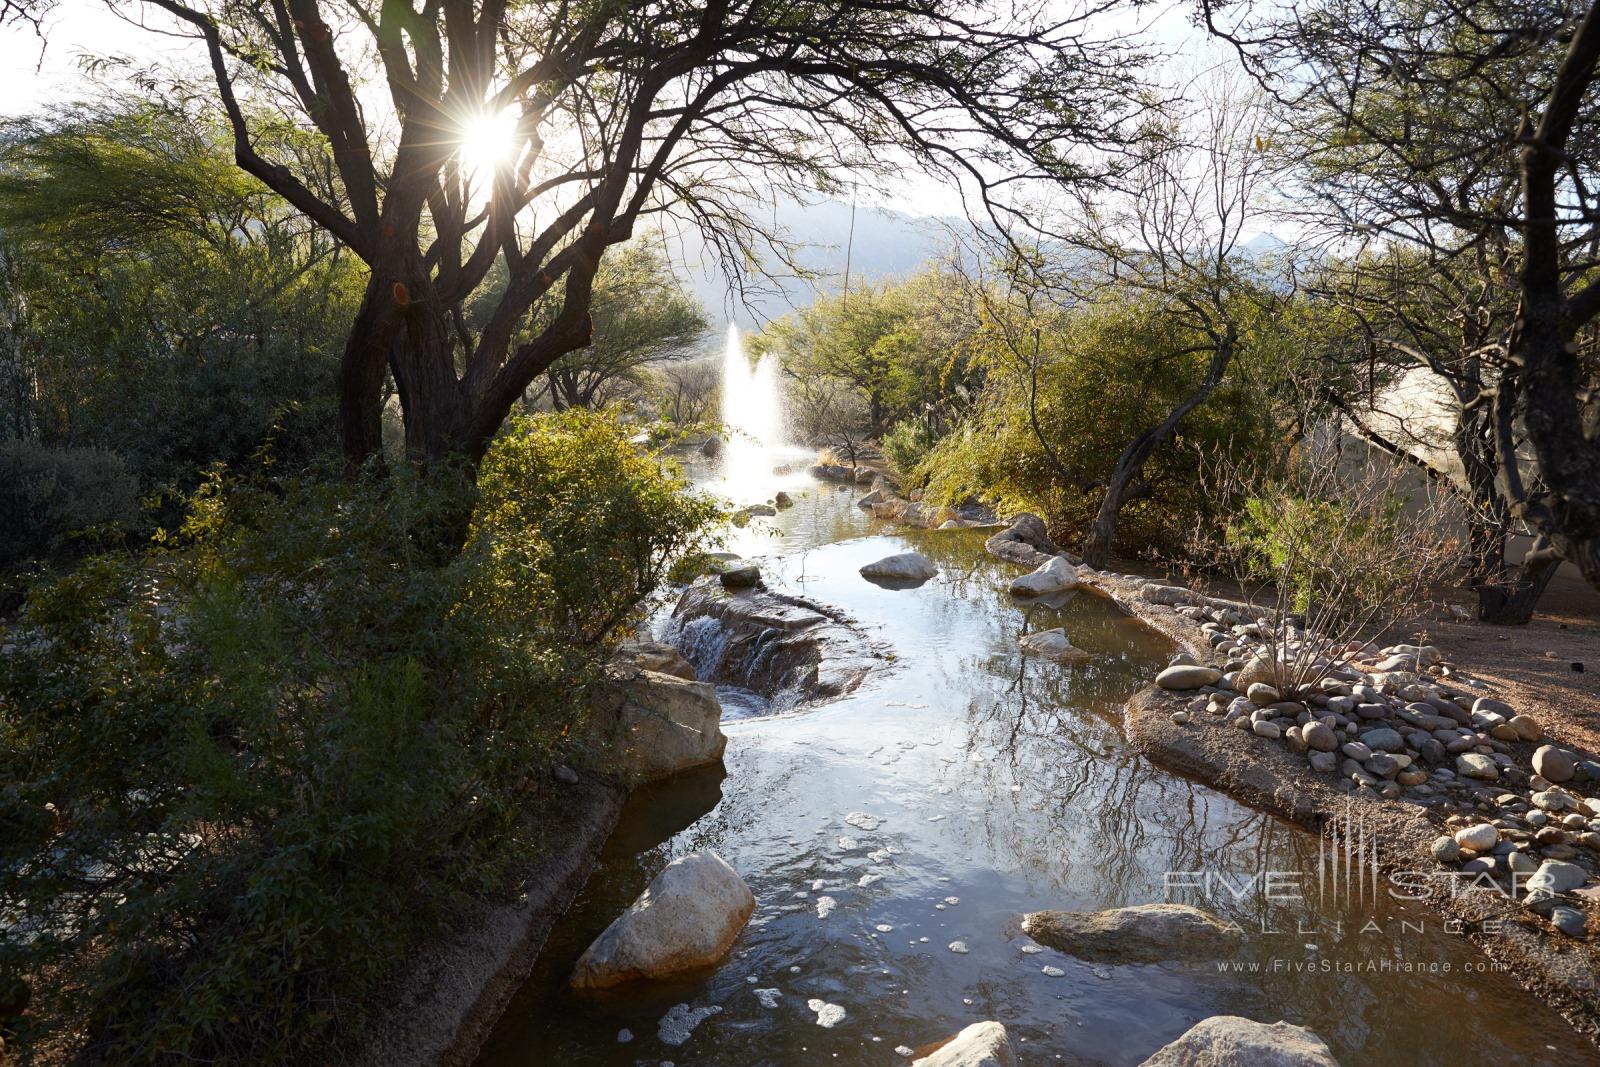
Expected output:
{"points": [[958, 788]]}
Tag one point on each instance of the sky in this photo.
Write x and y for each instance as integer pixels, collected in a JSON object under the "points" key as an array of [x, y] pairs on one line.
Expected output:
{"points": [[39, 73]]}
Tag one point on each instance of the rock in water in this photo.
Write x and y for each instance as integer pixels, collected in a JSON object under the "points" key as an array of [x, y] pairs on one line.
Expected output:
{"points": [[1231, 1041], [1052, 644], [1052, 577], [1143, 932], [983, 1044], [1188, 676], [686, 919], [911, 568], [655, 725]]}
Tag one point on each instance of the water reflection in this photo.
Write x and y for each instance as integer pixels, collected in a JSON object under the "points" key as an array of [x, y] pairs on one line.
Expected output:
{"points": [[1002, 784]]}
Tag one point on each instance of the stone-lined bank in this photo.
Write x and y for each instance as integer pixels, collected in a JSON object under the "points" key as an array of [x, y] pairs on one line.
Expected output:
{"points": [[1449, 782]]}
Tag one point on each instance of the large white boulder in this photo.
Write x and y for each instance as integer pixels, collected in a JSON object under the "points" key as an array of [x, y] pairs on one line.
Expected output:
{"points": [[1232, 1041], [1052, 577], [652, 725], [905, 567], [685, 920], [979, 1045], [1185, 676]]}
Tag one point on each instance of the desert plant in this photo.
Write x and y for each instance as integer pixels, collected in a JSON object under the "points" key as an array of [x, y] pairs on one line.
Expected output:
{"points": [[1332, 552], [59, 502], [244, 774]]}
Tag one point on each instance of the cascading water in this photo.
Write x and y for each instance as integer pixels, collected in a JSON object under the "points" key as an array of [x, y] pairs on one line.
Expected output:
{"points": [[752, 411]]}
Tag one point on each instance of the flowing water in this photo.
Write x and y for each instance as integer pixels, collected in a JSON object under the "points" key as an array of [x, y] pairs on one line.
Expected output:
{"points": [[952, 792]]}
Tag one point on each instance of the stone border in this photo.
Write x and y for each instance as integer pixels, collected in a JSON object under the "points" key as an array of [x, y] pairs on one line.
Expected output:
{"points": [[448, 996], [1563, 972]]}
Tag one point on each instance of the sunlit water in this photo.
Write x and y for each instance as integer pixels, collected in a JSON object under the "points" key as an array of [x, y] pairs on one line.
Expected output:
{"points": [[996, 786], [753, 417]]}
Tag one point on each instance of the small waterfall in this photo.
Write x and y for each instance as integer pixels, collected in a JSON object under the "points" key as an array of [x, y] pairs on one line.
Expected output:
{"points": [[752, 411]]}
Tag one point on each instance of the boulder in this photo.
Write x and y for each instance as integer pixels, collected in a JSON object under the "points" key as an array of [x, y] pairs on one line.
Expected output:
{"points": [[1052, 577], [654, 725], [656, 656], [782, 500], [907, 567], [1052, 644], [1554, 765], [979, 1045], [786, 648], [686, 920], [1144, 932], [1025, 542], [877, 496], [1232, 1041], [739, 574], [1181, 676]]}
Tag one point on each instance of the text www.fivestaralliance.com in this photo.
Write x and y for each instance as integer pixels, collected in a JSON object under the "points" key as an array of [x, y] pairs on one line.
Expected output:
{"points": [[1283, 965]]}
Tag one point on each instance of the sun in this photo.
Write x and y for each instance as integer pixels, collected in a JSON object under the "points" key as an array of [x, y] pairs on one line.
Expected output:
{"points": [[489, 142]]}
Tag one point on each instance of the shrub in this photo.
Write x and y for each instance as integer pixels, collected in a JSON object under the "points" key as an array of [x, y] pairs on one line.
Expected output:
{"points": [[58, 502], [1334, 554], [907, 443], [243, 776]]}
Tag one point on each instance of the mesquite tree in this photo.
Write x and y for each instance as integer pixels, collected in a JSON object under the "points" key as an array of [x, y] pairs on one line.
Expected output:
{"points": [[619, 112]]}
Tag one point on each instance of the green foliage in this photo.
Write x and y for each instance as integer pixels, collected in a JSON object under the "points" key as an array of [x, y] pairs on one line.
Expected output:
{"points": [[243, 776], [899, 349], [59, 502], [163, 305], [1295, 537], [1105, 373], [907, 443]]}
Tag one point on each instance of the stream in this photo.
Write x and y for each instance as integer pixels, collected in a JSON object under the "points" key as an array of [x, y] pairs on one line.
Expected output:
{"points": [[956, 789]]}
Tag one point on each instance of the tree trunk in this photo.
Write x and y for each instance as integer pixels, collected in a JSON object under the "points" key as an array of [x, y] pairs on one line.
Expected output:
{"points": [[361, 372], [1510, 599], [1130, 465]]}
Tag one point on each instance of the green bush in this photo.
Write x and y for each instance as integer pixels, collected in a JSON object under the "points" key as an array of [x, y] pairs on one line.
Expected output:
{"points": [[907, 443], [243, 775], [56, 502]]}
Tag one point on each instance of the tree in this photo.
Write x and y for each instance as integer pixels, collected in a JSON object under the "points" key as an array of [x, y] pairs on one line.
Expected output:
{"points": [[1478, 125], [616, 112], [1421, 318], [641, 319], [686, 391], [1176, 232], [161, 303]]}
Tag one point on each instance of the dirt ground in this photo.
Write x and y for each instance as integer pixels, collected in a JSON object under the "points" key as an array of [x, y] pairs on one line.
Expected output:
{"points": [[1531, 667]]}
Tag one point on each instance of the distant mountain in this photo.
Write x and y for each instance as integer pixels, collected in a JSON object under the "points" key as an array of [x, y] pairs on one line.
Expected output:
{"points": [[886, 244]]}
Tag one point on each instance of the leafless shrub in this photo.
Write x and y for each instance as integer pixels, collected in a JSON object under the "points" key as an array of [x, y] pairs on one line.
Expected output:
{"points": [[1335, 550]]}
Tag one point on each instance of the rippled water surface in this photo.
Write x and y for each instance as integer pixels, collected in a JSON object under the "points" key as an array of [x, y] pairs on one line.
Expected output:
{"points": [[954, 791]]}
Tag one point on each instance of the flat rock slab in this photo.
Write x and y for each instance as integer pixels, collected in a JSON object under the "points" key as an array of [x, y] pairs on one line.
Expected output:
{"points": [[1142, 933], [686, 920], [1233, 1041]]}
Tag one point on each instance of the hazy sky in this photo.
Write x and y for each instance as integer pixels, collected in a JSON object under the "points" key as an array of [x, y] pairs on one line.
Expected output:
{"points": [[41, 72]]}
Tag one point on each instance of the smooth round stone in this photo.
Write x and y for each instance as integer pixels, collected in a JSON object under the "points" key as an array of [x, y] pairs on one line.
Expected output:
{"points": [[1521, 863], [1446, 849], [1480, 838], [1528, 727], [1180, 717], [1261, 693], [1357, 751], [1322, 761], [1317, 735], [1568, 920], [1554, 765], [1182, 676], [1266, 728], [1475, 765], [1383, 740]]}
